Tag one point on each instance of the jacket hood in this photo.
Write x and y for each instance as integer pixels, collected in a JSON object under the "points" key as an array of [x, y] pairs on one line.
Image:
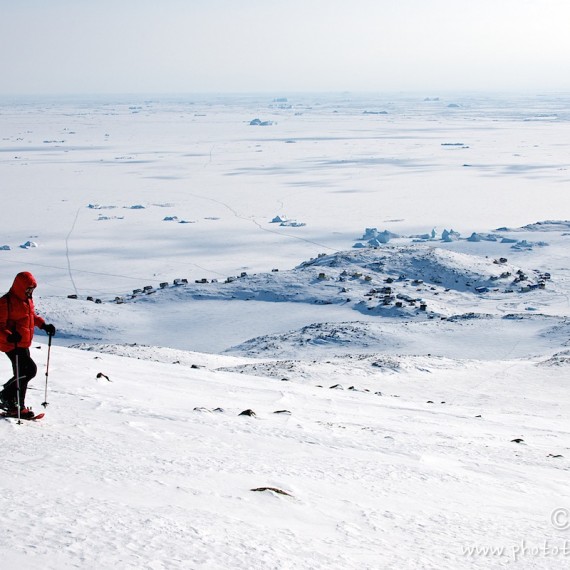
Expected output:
{"points": [[21, 282]]}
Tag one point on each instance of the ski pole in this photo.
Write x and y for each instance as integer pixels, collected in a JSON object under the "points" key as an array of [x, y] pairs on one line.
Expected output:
{"points": [[45, 402], [18, 384]]}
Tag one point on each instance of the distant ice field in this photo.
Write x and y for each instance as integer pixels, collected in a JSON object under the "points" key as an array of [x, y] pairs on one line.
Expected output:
{"points": [[104, 197], [92, 182]]}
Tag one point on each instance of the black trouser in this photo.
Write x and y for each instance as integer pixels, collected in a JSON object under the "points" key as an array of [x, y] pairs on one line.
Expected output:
{"points": [[26, 370]]}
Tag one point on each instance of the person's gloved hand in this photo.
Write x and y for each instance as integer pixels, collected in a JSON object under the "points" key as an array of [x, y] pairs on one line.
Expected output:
{"points": [[14, 337], [50, 329]]}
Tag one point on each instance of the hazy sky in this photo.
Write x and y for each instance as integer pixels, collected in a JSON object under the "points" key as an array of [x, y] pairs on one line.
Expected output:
{"points": [[182, 46]]}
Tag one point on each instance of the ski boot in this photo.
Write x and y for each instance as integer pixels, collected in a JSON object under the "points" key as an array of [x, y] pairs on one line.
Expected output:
{"points": [[25, 413]]}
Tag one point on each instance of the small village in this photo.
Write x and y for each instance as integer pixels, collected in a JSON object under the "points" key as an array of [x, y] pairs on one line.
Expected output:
{"points": [[406, 281]]}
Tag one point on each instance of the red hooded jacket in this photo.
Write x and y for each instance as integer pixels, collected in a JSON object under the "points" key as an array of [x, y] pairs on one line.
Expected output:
{"points": [[17, 313]]}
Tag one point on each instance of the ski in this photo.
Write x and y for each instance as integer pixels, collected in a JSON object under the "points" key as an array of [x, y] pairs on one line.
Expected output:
{"points": [[33, 418]]}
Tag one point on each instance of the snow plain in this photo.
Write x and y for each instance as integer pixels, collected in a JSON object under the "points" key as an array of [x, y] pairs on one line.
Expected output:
{"points": [[410, 398]]}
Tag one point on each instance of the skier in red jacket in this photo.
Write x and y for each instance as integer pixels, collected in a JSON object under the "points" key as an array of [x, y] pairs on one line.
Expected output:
{"points": [[17, 322]]}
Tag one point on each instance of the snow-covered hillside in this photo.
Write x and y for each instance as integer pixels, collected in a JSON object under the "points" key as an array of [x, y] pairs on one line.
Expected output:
{"points": [[387, 462], [389, 307]]}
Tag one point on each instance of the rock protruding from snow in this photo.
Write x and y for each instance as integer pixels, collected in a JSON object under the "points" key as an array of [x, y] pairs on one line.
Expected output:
{"points": [[558, 359]]}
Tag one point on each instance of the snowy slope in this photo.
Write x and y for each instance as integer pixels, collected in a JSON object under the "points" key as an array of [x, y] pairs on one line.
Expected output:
{"points": [[154, 468]]}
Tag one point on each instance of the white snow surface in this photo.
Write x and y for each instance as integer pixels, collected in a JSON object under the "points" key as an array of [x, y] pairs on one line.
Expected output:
{"points": [[410, 400]]}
